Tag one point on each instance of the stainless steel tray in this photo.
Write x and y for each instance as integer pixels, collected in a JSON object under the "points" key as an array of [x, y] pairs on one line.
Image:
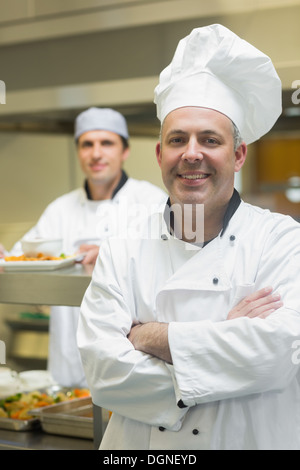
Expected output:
{"points": [[70, 418], [10, 424]]}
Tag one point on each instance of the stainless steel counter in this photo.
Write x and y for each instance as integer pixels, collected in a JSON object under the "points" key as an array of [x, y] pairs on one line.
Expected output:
{"points": [[59, 287], [38, 440]]}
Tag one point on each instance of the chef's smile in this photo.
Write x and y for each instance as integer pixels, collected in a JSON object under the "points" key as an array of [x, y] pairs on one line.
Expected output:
{"points": [[193, 178], [98, 166]]}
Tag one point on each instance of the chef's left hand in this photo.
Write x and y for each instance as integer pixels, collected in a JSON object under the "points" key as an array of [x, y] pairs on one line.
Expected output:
{"points": [[260, 304], [91, 253]]}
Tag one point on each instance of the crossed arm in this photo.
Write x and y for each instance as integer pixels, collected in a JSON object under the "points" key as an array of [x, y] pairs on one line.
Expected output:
{"points": [[152, 337]]}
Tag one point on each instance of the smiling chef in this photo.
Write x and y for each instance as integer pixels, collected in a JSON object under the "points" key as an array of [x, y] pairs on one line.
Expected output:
{"points": [[167, 342]]}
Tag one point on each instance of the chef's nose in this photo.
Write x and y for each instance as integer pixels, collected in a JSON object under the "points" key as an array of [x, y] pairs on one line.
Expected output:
{"points": [[192, 152], [97, 151]]}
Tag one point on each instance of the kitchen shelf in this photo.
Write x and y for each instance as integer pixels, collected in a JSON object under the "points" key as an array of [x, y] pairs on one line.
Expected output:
{"points": [[27, 363], [28, 325]]}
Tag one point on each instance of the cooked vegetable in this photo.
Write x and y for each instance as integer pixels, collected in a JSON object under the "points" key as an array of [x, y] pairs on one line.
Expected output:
{"points": [[39, 257], [18, 406]]}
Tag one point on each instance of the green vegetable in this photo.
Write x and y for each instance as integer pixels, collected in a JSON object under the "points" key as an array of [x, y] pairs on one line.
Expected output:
{"points": [[13, 398]]}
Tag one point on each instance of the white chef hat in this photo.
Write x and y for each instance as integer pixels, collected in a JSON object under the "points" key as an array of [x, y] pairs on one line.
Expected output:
{"points": [[214, 68], [100, 119]]}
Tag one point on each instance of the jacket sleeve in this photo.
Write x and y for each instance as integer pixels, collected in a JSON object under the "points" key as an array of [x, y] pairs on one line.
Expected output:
{"points": [[122, 379], [245, 356]]}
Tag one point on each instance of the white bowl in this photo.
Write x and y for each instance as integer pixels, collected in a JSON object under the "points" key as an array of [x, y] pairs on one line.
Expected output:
{"points": [[10, 383], [36, 379], [47, 246]]}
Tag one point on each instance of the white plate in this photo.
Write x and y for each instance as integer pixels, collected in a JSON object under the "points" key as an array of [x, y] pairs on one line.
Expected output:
{"points": [[37, 265]]}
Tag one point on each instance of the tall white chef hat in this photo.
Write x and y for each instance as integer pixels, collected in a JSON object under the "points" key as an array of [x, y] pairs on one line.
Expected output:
{"points": [[100, 119], [214, 68]]}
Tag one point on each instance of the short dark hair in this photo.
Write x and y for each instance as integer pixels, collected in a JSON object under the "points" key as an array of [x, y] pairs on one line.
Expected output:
{"points": [[125, 142]]}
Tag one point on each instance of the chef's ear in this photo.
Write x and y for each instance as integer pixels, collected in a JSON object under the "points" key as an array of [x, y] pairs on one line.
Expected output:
{"points": [[125, 154], [240, 156], [158, 153]]}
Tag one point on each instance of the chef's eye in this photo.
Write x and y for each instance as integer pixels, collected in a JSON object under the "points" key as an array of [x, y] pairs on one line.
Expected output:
{"points": [[86, 143], [211, 141], [176, 140]]}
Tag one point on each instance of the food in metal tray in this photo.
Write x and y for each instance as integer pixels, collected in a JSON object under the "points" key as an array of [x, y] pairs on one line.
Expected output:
{"points": [[18, 406]]}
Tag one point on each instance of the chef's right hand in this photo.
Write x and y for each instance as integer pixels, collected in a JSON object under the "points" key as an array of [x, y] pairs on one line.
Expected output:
{"points": [[259, 304], [91, 253], [2, 251]]}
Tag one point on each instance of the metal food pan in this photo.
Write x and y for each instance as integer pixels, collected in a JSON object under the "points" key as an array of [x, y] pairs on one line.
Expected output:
{"points": [[70, 418], [11, 424]]}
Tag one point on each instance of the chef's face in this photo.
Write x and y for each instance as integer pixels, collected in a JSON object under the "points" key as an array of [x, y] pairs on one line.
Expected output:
{"points": [[197, 157], [101, 155]]}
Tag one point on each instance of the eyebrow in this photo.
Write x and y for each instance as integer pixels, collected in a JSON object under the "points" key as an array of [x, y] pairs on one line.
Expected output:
{"points": [[212, 132], [175, 132], [91, 141]]}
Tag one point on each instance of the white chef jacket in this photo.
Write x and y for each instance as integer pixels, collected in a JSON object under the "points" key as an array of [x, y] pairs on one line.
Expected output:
{"points": [[77, 219], [234, 384]]}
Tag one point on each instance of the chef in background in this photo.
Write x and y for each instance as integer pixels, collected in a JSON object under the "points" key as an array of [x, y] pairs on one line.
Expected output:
{"points": [[108, 203], [161, 344]]}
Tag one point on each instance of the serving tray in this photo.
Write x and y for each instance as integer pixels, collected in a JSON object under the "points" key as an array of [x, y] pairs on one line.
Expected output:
{"points": [[70, 418]]}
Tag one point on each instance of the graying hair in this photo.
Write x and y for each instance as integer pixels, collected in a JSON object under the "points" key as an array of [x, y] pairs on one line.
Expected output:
{"points": [[237, 138]]}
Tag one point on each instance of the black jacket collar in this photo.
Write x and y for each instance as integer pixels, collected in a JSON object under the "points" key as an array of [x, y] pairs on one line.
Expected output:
{"points": [[232, 207], [121, 183]]}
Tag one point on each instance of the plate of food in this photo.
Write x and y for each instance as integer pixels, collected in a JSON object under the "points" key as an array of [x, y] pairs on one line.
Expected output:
{"points": [[40, 262]]}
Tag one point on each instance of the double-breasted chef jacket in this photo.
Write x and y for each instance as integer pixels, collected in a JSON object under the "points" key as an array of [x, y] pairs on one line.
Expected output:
{"points": [[77, 219], [233, 384]]}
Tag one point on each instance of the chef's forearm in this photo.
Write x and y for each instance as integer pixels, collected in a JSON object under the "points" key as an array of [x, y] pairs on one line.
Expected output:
{"points": [[152, 338]]}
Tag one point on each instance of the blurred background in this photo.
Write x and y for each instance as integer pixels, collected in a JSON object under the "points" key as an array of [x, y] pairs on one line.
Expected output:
{"points": [[60, 57]]}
